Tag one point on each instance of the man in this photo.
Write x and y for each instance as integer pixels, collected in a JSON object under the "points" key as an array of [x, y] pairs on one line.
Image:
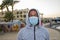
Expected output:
{"points": [[33, 29]]}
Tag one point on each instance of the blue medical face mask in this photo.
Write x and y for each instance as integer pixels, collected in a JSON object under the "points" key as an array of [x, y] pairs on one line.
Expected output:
{"points": [[33, 20]]}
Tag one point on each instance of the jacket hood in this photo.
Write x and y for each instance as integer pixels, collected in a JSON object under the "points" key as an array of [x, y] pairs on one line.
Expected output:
{"points": [[27, 17]]}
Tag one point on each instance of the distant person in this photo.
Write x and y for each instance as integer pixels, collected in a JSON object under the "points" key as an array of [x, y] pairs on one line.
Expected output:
{"points": [[33, 30], [50, 21]]}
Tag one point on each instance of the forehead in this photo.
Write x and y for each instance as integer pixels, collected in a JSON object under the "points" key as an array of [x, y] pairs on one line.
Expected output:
{"points": [[33, 13]]}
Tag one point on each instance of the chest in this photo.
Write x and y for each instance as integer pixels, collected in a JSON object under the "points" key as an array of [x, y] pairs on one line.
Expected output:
{"points": [[29, 35]]}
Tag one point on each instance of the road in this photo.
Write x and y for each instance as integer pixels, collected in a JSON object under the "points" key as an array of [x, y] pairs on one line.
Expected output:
{"points": [[54, 35]]}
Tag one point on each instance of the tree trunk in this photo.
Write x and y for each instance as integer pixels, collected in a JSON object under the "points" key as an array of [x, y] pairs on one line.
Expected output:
{"points": [[2, 11], [12, 12], [7, 8]]}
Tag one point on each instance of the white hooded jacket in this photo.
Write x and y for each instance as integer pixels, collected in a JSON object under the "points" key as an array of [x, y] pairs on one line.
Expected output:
{"points": [[27, 33]]}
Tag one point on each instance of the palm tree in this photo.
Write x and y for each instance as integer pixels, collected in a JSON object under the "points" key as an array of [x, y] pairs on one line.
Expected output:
{"points": [[5, 3], [1, 8], [12, 2], [8, 3], [8, 16]]}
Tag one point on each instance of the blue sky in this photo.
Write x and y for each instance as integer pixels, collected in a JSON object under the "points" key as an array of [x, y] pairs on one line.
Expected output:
{"points": [[50, 8]]}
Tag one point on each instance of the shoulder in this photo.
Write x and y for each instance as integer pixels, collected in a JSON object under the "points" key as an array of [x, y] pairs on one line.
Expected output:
{"points": [[45, 30], [22, 30]]}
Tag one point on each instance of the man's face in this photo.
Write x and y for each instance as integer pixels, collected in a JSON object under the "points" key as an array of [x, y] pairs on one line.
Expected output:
{"points": [[33, 20], [33, 13]]}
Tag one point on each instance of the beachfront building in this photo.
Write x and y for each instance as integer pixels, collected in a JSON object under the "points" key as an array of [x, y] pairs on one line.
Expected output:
{"points": [[18, 14]]}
